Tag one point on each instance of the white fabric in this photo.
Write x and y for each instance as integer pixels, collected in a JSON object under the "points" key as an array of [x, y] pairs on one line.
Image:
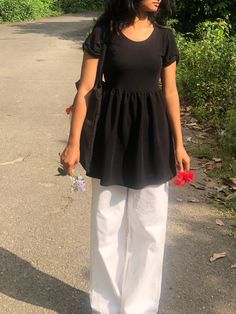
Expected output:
{"points": [[128, 229]]}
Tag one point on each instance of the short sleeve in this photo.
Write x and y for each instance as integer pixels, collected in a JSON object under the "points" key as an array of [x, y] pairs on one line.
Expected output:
{"points": [[93, 43], [171, 51]]}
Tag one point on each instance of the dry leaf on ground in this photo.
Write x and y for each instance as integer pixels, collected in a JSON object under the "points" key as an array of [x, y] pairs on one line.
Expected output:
{"points": [[198, 187], [193, 200], [216, 256], [222, 188], [217, 159], [189, 138], [212, 165], [219, 222], [231, 182]]}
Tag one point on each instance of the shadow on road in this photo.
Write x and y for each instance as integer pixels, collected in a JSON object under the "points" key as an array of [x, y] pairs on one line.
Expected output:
{"points": [[60, 28], [21, 281]]}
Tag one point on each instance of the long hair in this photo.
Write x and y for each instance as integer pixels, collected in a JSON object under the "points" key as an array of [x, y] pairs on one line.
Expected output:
{"points": [[121, 13]]}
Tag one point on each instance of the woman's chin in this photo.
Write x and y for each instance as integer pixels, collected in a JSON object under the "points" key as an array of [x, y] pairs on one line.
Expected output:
{"points": [[153, 9]]}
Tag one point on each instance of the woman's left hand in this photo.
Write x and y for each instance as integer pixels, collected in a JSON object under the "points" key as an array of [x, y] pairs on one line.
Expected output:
{"points": [[182, 159]]}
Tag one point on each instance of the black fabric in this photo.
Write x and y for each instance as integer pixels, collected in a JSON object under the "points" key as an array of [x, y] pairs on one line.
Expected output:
{"points": [[172, 52], [133, 145], [94, 41]]}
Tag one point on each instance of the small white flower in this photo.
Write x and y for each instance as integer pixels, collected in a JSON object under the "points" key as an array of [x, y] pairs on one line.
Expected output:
{"points": [[77, 183]]}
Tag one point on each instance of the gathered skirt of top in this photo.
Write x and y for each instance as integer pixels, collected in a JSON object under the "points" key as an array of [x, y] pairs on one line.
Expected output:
{"points": [[133, 145]]}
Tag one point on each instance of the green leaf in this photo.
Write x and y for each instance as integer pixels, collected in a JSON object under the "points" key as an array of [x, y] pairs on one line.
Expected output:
{"points": [[61, 172]]}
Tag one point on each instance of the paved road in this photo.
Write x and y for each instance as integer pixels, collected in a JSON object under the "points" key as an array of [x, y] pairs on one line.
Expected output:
{"points": [[44, 229]]}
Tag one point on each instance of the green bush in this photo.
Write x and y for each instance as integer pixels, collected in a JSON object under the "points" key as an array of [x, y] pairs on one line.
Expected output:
{"points": [[207, 72], [21, 10], [229, 138], [190, 13], [76, 5]]}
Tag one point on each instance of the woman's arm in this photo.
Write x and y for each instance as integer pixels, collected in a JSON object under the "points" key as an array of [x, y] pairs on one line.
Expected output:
{"points": [[71, 154], [87, 80], [169, 88]]}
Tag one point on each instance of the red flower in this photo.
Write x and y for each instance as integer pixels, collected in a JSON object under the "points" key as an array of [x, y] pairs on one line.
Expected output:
{"points": [[184, 177], [69, 109]]}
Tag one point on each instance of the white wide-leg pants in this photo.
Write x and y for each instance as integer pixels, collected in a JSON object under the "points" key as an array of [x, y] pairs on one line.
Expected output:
{"points": [[128, 229]]}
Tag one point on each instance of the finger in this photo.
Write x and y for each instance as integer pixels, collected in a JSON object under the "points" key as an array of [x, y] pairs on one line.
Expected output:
{"points": [[186, 165], [180, 166], [70, 170]]}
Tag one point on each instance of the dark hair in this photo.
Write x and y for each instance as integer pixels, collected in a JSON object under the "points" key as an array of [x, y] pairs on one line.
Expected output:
{"points": [[121, 13]]}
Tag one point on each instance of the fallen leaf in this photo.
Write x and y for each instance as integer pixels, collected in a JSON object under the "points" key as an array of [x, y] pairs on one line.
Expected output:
{"points": [[219, 222], [208, 165], [216, 256], [196, 127], [201, 135], [233, 265], [221, 188], [189, 138], [194, 200], [219, 199], [212, 165], [191, 124], [198, 187], [231, 182], [217, 159], [196, 141]]}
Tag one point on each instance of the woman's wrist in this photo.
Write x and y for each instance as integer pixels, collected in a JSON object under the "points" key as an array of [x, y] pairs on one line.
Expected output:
{"points": [[73, 143], [179, 145]]}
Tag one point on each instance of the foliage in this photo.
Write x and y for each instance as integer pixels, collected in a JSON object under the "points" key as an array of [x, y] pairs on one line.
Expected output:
{"points": [[76, 5], [207, 76], [21, 10], [190, 13], [207, 71], [15, 10], [229, 138], [215, 31]]}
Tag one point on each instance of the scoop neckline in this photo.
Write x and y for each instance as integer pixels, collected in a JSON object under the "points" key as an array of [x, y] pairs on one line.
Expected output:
{"points": [[138, 41]]}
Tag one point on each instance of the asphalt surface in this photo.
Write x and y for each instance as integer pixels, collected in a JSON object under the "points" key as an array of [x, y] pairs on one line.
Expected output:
{"points": [[44, 228]]}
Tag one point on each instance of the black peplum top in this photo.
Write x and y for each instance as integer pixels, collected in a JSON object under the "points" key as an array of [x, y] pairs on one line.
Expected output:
{"points": [[133, 144]]}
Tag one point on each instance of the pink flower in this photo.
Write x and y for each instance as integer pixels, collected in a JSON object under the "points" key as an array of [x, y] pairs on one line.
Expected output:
{"points": [[184, 177], [69, 109]]}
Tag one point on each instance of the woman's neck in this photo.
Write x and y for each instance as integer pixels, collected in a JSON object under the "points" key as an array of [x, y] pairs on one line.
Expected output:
{"points": [[141, 20]]}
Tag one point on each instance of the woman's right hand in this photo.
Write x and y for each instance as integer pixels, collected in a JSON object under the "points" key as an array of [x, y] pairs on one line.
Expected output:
{"points": [[70, 157]]}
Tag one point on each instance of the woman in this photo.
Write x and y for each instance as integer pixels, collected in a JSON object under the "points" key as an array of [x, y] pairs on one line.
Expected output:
{"points": [[138, 146]]}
